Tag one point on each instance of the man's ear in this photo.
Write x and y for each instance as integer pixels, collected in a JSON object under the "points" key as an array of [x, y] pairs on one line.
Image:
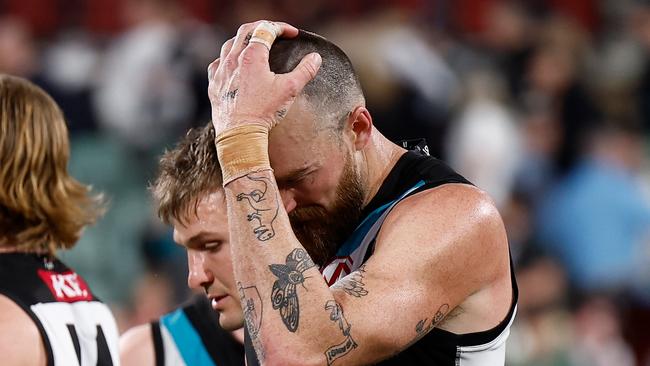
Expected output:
{"points": [[359, 125]]}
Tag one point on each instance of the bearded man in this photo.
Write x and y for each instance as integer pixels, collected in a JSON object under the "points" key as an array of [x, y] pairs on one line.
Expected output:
{"points": [[415, 258]]}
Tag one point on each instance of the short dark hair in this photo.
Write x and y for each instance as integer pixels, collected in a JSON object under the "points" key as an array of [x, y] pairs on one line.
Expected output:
{"points": [[336, 89], [186, 173]]}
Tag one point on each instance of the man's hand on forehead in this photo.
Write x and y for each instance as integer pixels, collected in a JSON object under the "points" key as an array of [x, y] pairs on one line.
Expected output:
{"points": [[248, 100], [242, 88]]}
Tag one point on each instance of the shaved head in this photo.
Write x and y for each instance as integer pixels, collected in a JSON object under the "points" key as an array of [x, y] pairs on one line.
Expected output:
{"points": [[335, 91]]}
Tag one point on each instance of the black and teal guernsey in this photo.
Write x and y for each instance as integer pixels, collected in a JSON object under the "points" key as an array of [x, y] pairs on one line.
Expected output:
{"points": [[191, 336], [415, 172], [76, 328]]}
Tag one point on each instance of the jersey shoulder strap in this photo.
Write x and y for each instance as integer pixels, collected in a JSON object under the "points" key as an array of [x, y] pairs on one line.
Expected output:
{"points": [[192, 333], [158, 345]]}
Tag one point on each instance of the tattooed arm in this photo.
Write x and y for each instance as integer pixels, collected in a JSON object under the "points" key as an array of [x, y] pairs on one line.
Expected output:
{"points": [[404, 290], [438, 249]]}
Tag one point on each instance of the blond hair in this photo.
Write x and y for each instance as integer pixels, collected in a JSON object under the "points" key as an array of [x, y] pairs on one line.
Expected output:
{"points": [[186, 173], [42, 208]]}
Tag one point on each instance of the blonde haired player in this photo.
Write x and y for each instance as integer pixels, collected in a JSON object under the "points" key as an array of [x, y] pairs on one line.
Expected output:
{"points": [[48, 314], [207, 330]]}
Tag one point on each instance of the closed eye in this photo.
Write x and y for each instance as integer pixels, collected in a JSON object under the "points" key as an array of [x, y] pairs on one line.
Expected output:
{"points": [[303, 180], [212, 246], [297, 177]]}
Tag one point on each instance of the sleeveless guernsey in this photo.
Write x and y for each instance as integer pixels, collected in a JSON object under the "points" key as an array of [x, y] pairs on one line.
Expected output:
{"points": [[413, 173]]}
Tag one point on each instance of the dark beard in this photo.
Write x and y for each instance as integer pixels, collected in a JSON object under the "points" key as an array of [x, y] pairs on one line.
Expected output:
{"points": [[322, 231]]}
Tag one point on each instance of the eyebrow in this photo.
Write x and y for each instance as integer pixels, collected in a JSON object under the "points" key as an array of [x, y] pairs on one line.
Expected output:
{"points": [[295, 175]]}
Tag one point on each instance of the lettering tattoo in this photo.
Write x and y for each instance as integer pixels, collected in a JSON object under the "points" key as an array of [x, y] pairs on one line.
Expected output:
{"points": [[281, 113], [264, 211], [231, 94], [353, 283], [339, 350], [252, 308], [424, 326], [284, 296]]}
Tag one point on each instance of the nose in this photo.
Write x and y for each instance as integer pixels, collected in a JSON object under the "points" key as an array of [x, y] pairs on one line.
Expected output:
{"points": [[288, 199], [197, 275]]}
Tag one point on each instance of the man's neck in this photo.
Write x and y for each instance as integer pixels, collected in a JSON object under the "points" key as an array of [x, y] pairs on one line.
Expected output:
{"points": [[381, 155], [238, 335]]}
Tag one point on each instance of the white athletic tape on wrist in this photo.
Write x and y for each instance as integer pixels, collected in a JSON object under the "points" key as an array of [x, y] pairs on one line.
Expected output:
{"points": [[243, 150]]}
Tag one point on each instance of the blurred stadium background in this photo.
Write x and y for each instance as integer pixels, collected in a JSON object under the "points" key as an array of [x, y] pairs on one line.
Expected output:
{"points": [[543, 103]]}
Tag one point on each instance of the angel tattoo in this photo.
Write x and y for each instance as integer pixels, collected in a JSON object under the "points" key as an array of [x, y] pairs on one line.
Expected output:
{"points": [[283, 295]]}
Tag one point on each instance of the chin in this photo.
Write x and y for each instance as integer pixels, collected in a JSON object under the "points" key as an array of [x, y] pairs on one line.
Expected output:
{"points": [[229, 321]]}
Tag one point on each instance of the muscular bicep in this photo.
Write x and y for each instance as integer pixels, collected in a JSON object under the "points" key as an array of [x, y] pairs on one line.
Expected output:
{"points": [[423, 267], [386, 309], [20, 341]]}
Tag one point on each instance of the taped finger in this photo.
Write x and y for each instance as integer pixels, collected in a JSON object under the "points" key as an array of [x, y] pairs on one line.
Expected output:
{"points": [[266, 33]]}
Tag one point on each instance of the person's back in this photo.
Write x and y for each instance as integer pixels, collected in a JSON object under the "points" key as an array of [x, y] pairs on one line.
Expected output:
{"points": [[48, 315]]}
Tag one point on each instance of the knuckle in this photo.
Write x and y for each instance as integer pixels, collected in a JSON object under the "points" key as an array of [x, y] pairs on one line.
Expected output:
{"points": [[292, 86], [230, 63], [247, 56], [213, 90], [212, 68], [310, 70], [245, 27], [227, 45]]}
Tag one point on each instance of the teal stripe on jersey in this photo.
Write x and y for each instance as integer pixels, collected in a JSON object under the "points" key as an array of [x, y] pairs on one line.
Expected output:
{"points": [[360, 232], [187, 339]]}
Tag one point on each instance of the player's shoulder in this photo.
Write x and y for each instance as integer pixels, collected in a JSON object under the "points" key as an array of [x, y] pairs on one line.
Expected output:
{"points": [[448, 214], [136, 346], [20, 340], [450, 202]]}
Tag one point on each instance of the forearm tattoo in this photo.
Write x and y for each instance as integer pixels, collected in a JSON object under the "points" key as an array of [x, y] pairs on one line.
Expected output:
{"points": [[264, 210], [353, 283], [252, 308], [284, 296], [339, 350]]}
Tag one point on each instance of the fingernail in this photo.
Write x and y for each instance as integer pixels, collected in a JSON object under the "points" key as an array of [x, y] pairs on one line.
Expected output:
{"points": [[315, 57]]}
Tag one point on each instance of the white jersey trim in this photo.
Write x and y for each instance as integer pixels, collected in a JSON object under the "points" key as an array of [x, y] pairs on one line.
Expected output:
{"points": [[172, 355], [488, 354]]}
